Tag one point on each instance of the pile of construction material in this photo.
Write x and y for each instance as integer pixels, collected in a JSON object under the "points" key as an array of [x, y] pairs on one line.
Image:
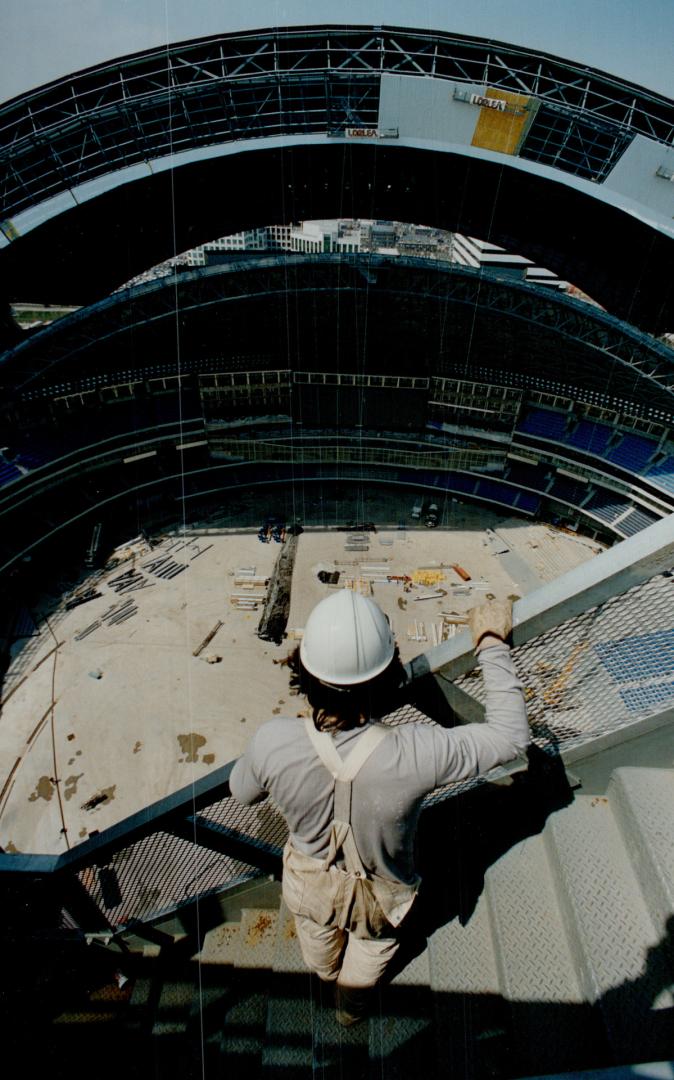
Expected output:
{"points": [[118, 613], [250, 589], [437, 630], [359, 541]]}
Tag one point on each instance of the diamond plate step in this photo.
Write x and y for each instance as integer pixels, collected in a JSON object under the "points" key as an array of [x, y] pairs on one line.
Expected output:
{"points": [[402, 1027], [617, 953], [643, 802], [303, 1038], [552, 1029], [249, 947], [470, 1016], [176, 1028]]}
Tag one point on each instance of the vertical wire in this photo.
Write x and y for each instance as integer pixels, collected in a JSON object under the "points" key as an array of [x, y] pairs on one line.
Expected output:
{"points": [[185, 586]]}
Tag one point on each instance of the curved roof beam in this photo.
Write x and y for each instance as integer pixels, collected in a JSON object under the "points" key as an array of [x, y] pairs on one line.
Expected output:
{"points": [[569, 134], [596, 337]]}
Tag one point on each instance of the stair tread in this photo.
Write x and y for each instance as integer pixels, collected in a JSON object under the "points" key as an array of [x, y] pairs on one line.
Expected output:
{"points": [[302, 1033], [255, 945], [551, 1026], [643, 799], [220, 944], [617, 937], [462, 957], [534, 957]]}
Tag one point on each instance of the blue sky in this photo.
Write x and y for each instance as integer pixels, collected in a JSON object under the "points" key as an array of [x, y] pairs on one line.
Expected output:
{"points": [[44, 39]]}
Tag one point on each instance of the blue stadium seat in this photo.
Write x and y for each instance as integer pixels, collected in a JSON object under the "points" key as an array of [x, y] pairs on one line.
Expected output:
{"points": [[644, 656], [663, 474], [641, 698], [528, 502], [636, 521], [590, 437], [567, 490], [8, 473], [606, 505], [461, 482], [632, 452], [545, 423], [492, 490]]}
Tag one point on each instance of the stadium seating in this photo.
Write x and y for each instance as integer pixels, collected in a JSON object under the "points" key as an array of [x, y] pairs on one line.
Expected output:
{"points": [[530, 476], [663, 475], [638, 698], [545, 423], [567, 490], [636, 521], [527, 502], [495, 492], [461, 482], [606, 505], [8, 473], [643, 656], [590, 437], [632, 452]]}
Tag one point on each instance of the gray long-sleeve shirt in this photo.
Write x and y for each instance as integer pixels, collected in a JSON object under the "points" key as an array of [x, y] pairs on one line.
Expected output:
{"points": [[387, 792]]}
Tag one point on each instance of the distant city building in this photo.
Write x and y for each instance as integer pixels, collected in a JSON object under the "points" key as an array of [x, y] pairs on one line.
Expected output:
{"points": [[349, 236], [480, 254]]}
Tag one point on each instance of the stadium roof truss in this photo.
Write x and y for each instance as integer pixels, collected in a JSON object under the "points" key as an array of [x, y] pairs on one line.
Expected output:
{"points": [[246, 279], [101, 156], [299, 81]]}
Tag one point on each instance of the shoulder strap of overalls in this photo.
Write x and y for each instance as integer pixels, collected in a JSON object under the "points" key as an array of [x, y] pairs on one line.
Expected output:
{"points": [[344, 772]]}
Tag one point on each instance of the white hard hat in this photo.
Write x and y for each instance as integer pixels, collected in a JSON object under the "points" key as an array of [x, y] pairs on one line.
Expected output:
{"points": [[347, 640]]}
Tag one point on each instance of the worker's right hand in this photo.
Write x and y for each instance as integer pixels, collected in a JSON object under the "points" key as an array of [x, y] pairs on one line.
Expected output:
{"points": [[490, 622]]}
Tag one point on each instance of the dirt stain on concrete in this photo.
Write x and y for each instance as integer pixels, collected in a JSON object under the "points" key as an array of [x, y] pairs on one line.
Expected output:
{"points": [[11, 849], [82, 833], [137, 747], [190, 746], [70, 788], [103, 796], [44, 790], [208, 759]]}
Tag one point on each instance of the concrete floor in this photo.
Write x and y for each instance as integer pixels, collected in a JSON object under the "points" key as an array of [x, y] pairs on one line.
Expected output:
{"points": [[94, 729]]}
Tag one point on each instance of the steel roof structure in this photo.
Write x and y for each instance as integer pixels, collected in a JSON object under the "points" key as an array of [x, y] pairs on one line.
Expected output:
{"points": [[424, 312], [148, 152]]}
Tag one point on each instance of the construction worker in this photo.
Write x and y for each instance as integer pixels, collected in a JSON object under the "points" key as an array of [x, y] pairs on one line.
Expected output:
{"points": [[351, 788]]}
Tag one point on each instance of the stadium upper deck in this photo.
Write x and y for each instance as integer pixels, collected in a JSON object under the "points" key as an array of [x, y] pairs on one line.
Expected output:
{"points": [[115, 152]]}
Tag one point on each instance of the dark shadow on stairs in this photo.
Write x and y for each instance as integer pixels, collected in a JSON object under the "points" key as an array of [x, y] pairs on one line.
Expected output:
{"points": [[460, 838]]}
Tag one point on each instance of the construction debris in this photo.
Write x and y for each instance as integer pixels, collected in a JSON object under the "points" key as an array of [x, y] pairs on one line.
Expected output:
{"points": [[81, 598], [463, 574], [427, 577], [209, 637], [275, 616]]}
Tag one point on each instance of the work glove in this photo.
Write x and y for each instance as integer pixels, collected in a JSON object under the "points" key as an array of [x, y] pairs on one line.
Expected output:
{"points": [[494, 617]]}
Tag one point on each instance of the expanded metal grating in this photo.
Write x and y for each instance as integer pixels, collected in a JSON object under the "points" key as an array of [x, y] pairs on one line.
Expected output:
{"points": [[162, 872], [599, 671]]}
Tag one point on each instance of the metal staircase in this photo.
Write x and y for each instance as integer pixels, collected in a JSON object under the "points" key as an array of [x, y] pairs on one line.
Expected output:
{"points": [[542, 941], [563, 961]]}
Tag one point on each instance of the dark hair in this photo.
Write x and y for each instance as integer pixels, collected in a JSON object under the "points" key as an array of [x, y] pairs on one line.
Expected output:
{"points": [[337, 709]]}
